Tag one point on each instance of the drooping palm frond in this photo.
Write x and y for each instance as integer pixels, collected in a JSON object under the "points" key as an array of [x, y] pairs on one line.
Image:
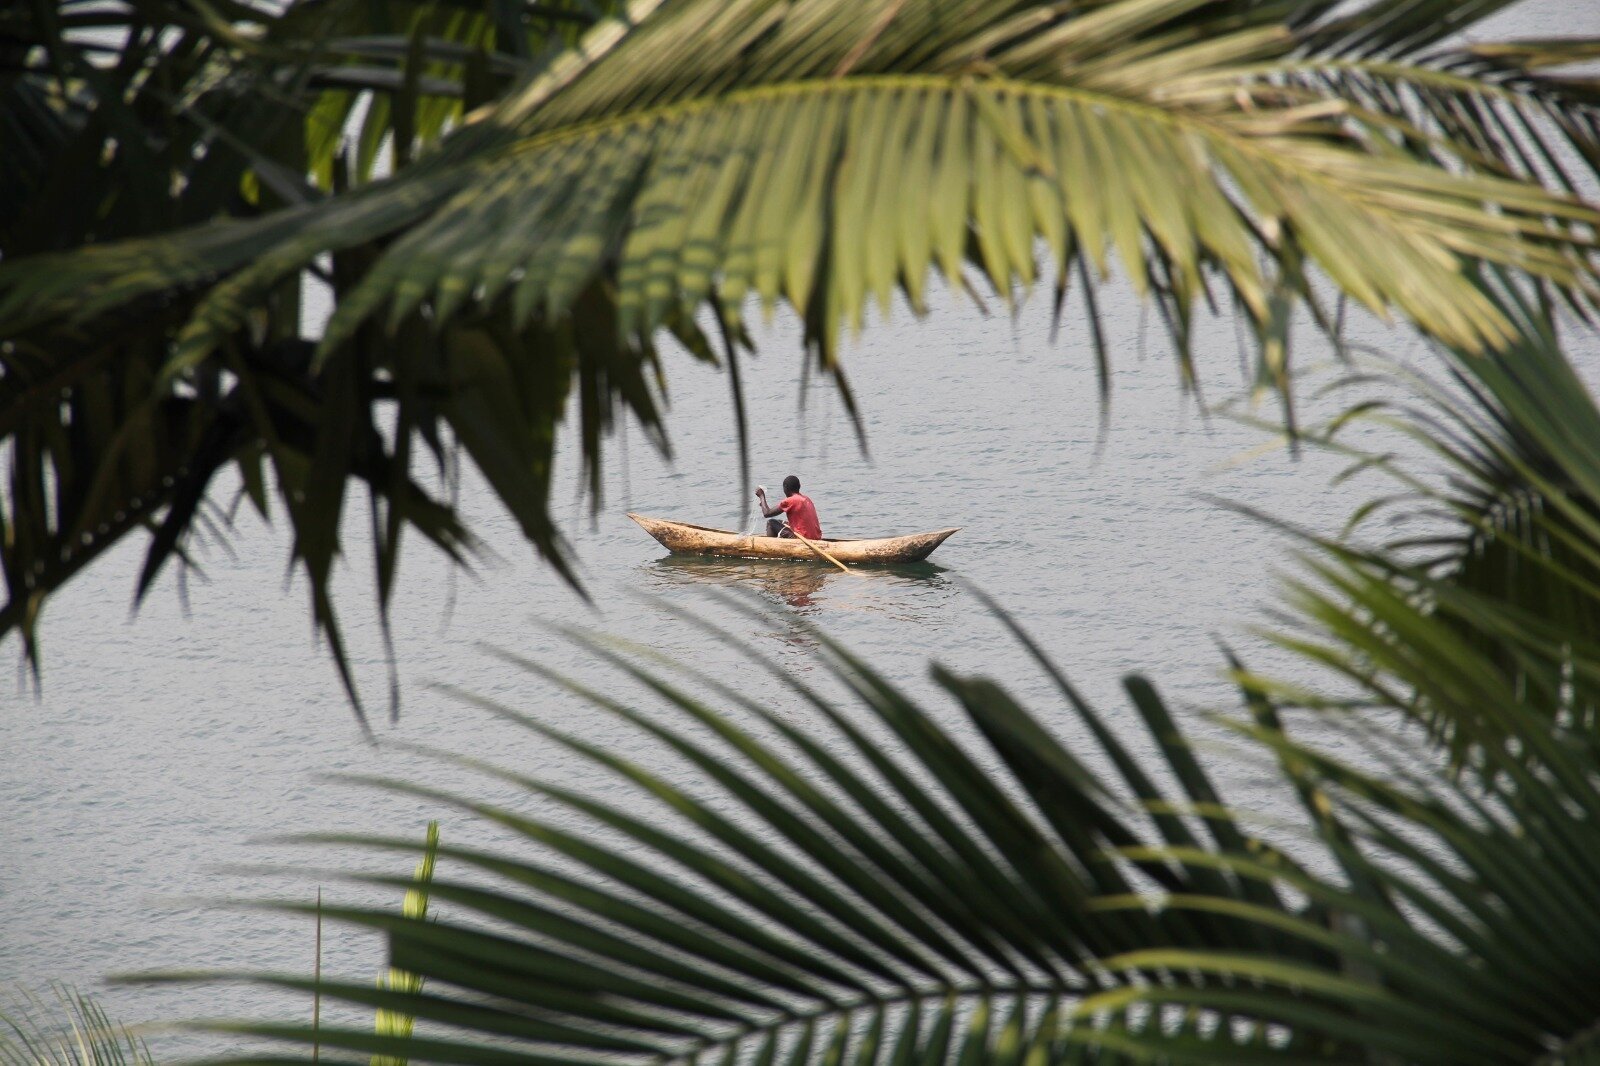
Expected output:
{"points": [[1017, 123], [1511, 527], [236, 103], [1503, 107]]}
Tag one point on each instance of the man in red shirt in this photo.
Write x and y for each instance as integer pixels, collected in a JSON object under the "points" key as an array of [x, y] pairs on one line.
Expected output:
{"points": [[802, 513]]}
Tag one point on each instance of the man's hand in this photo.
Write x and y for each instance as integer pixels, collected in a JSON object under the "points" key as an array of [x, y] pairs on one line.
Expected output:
{"points": [[761, 492]]}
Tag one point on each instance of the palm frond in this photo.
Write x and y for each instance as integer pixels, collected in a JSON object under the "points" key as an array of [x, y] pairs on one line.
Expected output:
{"points": [[412, 70], [1399, 28], [864, 901], [1466, 109], [1489, 645], [1488, 934], [821, 894], [1501, 549], [103, 440], [1068, 133], [64, 1028]]}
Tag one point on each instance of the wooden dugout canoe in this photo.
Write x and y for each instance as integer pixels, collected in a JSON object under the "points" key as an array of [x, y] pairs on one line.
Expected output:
{"points": [[686, 539]]}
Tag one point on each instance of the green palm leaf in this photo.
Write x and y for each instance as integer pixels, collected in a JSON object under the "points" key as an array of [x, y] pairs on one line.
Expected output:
{"points": [[746, 161], [909, 902], [1485, 922], [234, 100], [1507, 554], [902, 902]]}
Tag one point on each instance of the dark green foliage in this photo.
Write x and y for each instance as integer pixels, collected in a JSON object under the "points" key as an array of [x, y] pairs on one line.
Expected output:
{"points": [[107, 436]]}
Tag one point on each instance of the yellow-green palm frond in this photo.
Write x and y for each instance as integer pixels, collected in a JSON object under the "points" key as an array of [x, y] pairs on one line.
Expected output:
{"points": [[821, 152]]}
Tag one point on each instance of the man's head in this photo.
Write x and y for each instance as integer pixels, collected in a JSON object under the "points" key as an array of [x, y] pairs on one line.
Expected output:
{"points": [[791, 485]]}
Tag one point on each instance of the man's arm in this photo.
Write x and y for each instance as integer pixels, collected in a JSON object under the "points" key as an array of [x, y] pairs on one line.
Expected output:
{"points": [[767, 510]]}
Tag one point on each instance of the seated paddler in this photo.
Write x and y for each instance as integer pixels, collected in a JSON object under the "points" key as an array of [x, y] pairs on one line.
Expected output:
{"points": [[798, 509]]}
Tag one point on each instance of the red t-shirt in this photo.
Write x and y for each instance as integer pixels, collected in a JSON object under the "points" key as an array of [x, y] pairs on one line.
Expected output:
{"points": [[802, 516]]}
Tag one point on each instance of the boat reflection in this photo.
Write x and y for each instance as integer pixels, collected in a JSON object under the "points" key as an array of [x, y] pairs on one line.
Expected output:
{"points": [[803, 586]]}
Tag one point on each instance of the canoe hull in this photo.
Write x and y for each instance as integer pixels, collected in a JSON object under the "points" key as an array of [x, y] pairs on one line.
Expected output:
{"points": [[685, 539]]}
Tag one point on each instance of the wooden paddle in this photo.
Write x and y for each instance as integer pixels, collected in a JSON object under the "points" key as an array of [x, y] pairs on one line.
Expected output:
{"points": [[818, 549], [761, 491]]}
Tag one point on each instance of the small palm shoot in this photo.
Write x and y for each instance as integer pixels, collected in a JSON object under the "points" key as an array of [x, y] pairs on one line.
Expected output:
{"points": [[398, 1024]]}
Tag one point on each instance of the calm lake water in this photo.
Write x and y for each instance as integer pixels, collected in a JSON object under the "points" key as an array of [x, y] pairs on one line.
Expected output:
{"points": [[167, 749]]}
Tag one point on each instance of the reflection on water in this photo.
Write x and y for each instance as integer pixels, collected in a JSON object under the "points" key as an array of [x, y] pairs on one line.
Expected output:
{"points": [[902, 591]]}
